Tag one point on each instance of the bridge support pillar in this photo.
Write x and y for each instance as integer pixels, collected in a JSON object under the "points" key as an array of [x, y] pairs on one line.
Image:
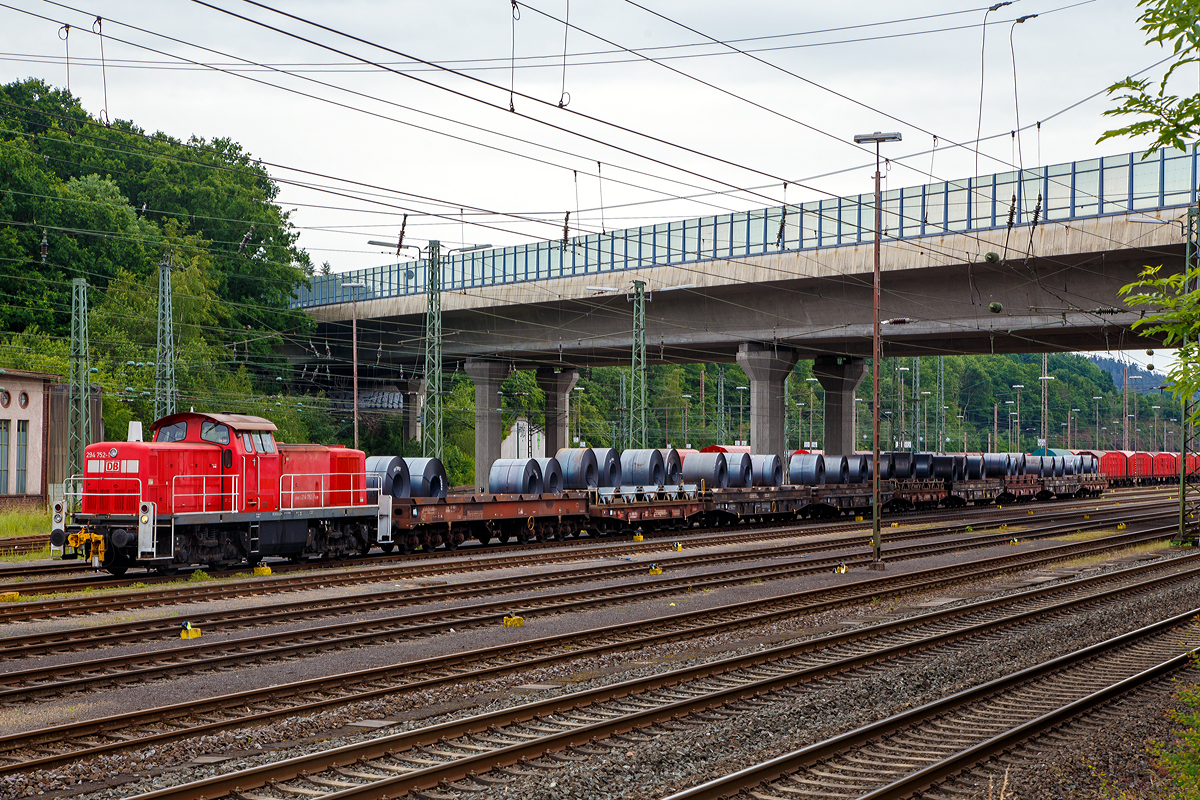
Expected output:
{"points": [[840, 377], [767, 367], [487, 375], [557, 385], [414, 399]]}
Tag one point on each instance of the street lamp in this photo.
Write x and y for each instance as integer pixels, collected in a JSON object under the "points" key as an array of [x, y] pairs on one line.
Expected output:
{"points": [[925, 420], [578, 416], [1154, 439], [1018, 387], [741, 408], [685, 420], [812, 410], [800, 426], [876, 138], [354, 348], [1096, 441]]}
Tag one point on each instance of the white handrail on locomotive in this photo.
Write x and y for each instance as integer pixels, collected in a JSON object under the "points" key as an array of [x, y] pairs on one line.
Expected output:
{"points": [[73, 501], [320, 492], [204, 495]]}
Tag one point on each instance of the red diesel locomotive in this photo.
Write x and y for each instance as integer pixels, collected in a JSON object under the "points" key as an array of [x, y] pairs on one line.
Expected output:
{"points": [[217, 489]]}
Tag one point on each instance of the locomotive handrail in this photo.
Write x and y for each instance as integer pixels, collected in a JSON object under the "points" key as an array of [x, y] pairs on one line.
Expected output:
{"points": [[74, 499], [320, 492], [204, 494]]}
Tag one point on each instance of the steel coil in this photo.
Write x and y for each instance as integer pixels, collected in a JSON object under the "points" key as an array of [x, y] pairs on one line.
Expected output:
{"points": [[960, 468], [515, 476], [740, 470], [996, 464], [922, 466], [427, 477], [552, 479], [903, 465], [672, 466], [807, 469], [1035, 465], [976, 468], [836, 469], [886, 467], [642, 468], [579, 469], [608, 466], [858, 469], [1060, 466], [388, 474], [768, 470], [1016, 463], [942, 468], [708, 468]]}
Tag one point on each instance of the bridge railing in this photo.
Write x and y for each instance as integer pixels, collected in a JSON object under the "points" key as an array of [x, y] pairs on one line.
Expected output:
{"points": [[1075, 190]]}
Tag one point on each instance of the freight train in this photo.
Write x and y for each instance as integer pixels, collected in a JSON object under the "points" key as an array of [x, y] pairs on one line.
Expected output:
{"points": [[219, 490]]}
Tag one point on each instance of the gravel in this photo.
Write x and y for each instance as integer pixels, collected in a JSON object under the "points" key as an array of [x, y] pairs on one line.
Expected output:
{"points": [[676, 759]]}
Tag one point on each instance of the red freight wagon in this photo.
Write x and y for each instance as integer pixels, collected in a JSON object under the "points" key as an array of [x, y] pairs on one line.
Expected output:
{"points": [[1166, 466], [1193, 464], [1141, 466], [726, 448], [1115, 464]]}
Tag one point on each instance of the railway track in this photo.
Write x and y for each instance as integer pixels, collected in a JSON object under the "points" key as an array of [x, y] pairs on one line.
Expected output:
{"points": [[908, 753], [64, 744], [461, 754], [391, 571], [14, 578], [785, 564], [24, 545]]}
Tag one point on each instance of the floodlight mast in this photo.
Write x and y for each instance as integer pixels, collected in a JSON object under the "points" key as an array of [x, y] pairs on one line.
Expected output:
{"points": [[876, 351]]}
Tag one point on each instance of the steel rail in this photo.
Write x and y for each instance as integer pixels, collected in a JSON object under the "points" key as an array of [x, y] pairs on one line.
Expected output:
{"points": [[1179, 569], [576, 724], [820, 752]]}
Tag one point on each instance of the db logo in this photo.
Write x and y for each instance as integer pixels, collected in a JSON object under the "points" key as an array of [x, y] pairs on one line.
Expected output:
{"points": [[112, 466]]}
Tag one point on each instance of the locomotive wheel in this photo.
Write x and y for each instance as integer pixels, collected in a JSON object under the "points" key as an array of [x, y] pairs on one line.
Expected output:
{"points": [[388, 547], [117, 572], [165, 569]]}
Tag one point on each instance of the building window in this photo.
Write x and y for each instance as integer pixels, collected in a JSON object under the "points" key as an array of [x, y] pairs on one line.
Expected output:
{"points": [[5, 399], [23, 399], [3, 456], [22, 453]]}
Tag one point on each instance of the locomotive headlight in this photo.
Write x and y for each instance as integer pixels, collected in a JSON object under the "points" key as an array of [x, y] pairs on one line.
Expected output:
{"points": [[145, 518], [58, 519]]}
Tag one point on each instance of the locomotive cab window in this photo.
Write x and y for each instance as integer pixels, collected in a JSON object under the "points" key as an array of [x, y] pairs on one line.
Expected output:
{"points": [[175, 432], [213, 432], [248, 442], [263, 442]]}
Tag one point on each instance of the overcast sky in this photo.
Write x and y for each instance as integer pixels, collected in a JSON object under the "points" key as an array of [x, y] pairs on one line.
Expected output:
{"points": [[412, 144]]}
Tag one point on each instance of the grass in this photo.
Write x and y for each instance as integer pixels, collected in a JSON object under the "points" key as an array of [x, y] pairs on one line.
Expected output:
{"points": [[25, 522], [1132, 550], [1083, 536]]}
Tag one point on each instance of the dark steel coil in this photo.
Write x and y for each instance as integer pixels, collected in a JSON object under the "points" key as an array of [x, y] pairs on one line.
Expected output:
{"points": [[976, 468], [1035, 465], [1060, 466], [672, 466], [427, 477], [739, 469], [708, 468], [858, 469], [996, 463], [642, 468], [960, 468], [807, 469], [388, 474], [608, 466], [1016, 463], [886, 467], [552, 479], [922, 466], [942, 468], [515, 476], [903, 465], [836, 470], [768, 470], [579, 469]]}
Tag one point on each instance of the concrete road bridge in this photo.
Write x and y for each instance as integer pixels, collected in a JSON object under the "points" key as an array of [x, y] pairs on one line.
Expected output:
{"points": [[770, 286]]}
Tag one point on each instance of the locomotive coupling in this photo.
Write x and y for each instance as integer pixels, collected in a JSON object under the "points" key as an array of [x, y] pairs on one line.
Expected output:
{"points": [[91, 543]]}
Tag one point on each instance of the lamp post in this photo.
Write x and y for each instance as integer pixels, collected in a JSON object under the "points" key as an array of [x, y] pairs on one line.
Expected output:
{"points": [[800, 426], [876, 138], [741, 409], [925, 422], [1096, 440], [903, 431], [1154, 439], [1010, 416], [578, 417], [355, 285], [1018, 387], [812, 410], [686, 398], [1073, 438]]}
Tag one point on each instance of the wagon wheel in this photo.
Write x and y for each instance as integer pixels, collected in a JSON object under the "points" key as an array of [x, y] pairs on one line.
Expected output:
{"points": [[387, 547]]}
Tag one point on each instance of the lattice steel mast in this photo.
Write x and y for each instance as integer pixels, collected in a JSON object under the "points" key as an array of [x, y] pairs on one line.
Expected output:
{"points": [[1189, 447], [79, 426], [637, 384], [431, 422], [164, 365]]}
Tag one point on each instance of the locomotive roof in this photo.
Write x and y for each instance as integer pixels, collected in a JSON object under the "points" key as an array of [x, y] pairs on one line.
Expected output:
{"points": [[239, 422]]}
